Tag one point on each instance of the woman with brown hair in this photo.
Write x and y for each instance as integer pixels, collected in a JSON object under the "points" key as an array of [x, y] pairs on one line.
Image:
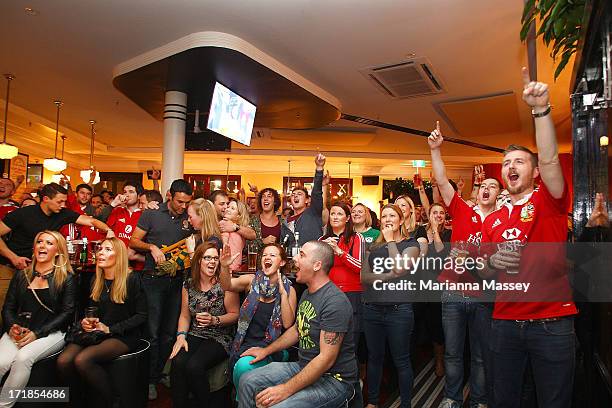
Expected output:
{"points": [[38, 308], [113, 325], [205, 328], [437, 239]]}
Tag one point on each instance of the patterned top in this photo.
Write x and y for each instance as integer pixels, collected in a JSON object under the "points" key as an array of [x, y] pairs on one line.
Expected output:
{"points": [[211, 301]]}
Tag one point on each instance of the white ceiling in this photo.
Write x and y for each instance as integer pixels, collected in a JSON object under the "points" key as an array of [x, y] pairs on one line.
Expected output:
{"points": [[68, 51]]}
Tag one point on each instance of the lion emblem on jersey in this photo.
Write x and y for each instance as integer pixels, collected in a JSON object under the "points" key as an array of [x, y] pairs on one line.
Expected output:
{"points": [[527, 212]]}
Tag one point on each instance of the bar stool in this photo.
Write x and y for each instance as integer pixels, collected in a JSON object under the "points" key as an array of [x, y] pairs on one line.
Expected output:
{"points": [[130, 376]]}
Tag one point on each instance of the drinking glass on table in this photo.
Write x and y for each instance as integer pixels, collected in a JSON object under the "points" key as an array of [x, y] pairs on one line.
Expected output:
{"points": [[252, 256]]}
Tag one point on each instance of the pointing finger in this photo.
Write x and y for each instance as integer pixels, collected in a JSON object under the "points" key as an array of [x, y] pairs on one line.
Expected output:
{"points": [[525, 74], [438, 125]]}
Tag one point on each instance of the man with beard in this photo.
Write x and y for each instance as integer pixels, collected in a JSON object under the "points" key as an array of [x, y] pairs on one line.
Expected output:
{"points": [[535, 327], [7, 188], [326, 368], [462, 311], [307, 211], [166, 225], [124, 218]]}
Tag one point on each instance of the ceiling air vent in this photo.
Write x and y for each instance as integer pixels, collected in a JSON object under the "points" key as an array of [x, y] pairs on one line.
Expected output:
{"points": [[405, 79]]}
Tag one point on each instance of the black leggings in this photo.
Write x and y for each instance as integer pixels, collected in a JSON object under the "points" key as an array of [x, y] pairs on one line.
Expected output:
{"points": [[85, 361], [189, 371]]}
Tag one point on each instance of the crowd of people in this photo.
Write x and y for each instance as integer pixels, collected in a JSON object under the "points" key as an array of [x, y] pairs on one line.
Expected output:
{"points": [[308, 327]]}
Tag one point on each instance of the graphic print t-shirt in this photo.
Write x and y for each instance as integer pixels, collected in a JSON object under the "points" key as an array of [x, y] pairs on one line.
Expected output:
{"points": [[327, 309]]}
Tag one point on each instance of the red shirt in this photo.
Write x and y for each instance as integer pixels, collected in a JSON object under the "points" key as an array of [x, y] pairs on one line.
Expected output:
{"points": [[123, 225], [540, 221], [346, 271], [467, 227], [91, 233], [6, 208]]}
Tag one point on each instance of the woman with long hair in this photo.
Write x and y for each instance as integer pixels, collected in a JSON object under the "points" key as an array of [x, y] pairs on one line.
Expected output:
{"points": [[348, 247], [268, 309], [37, 310], [205, 328], [437, 239], [388, 316], [203, 217], [117, 315], [362, 223], [238, 213]]}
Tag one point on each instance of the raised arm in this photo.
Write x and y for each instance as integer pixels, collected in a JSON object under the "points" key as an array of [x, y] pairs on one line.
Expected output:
{"points": [[439, 170], [316, 201], [239, 284], [535, 94], [89, 221]]}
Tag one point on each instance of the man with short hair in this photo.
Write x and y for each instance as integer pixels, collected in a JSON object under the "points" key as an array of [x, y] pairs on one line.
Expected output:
{"points": [[26, 222], [326, 372], [166, 225], [534, 326], [462, 311], [80, 202], [307, 211], [149, 196], [220, 201], [96, 201], [124, 218], [7, 189]]}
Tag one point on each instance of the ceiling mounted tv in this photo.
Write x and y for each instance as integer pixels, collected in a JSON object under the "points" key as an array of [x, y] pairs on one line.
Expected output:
{"points": [[231, 115]]}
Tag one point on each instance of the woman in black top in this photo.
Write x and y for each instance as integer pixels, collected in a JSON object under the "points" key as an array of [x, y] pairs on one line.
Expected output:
{"points": [[38, 308], [437, 239], [387, 314], [121, 314]]}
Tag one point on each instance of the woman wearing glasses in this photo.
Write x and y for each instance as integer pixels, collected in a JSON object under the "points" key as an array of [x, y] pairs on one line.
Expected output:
{"points": [[205, 329]]}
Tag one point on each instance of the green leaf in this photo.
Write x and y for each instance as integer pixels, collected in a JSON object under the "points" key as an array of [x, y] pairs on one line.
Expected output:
{"points": [[564, 60], [528, 9], [525, 31]]}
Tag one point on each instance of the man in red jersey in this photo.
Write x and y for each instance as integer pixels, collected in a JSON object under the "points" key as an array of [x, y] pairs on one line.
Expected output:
{"points": [[525, 240], [124, 218], [80, 202], [462, 310], [7, 188]]}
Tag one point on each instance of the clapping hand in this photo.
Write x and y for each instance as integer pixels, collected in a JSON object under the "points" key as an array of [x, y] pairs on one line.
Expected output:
{"points": [[535, 94], [599, 216], [479, 174], [226, 258]]}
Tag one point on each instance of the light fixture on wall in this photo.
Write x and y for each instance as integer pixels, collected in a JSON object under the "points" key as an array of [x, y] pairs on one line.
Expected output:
{"points": [[54, 164], [7, 151], [86, 174]]}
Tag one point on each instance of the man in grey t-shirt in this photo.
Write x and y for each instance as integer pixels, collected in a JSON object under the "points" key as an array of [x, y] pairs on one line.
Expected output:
{"points": [[326, 372]]}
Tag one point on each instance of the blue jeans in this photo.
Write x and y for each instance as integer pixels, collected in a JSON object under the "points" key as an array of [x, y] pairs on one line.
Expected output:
{"points": [[393, 323], [549, 347], [326, 392], [460, 314], [164, 307]]}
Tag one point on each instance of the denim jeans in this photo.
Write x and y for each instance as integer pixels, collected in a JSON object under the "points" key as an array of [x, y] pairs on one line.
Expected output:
{"points": [[484, 316], [460, 314], [393, 323], [548, 346], [164, 307], [326, 392]]}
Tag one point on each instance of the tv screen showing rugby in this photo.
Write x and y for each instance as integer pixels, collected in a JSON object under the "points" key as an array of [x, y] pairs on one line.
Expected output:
{"points": [[231, 115]]}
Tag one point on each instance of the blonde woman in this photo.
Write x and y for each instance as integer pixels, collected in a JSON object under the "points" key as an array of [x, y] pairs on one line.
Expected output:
{"points": [[118, 319], [238, 213], [38, 308], [203, 217], [409, 225], [362, 223]]}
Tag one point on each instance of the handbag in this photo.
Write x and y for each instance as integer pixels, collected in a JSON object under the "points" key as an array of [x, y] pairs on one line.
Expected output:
{"points": [[82, 338]]}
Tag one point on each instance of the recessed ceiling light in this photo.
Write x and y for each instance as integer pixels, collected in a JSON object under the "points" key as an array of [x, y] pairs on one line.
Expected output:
{"points": [[30, 11]]}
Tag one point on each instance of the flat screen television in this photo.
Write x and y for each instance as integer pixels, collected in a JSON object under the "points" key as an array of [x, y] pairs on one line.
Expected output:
{"points": [[231, 115]]}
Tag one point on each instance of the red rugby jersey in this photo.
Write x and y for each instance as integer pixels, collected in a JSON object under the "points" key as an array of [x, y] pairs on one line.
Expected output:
{"points": [[538, 220], [467, 227], [6, 208], [123, 223]]}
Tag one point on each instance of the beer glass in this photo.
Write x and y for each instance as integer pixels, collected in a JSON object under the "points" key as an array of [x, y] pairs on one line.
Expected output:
{"points": [[252, 257]]}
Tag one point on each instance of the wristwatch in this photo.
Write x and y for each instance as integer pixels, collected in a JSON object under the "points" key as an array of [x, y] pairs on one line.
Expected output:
{"points": [[541, 114], [236, 227], [218, 322]]}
